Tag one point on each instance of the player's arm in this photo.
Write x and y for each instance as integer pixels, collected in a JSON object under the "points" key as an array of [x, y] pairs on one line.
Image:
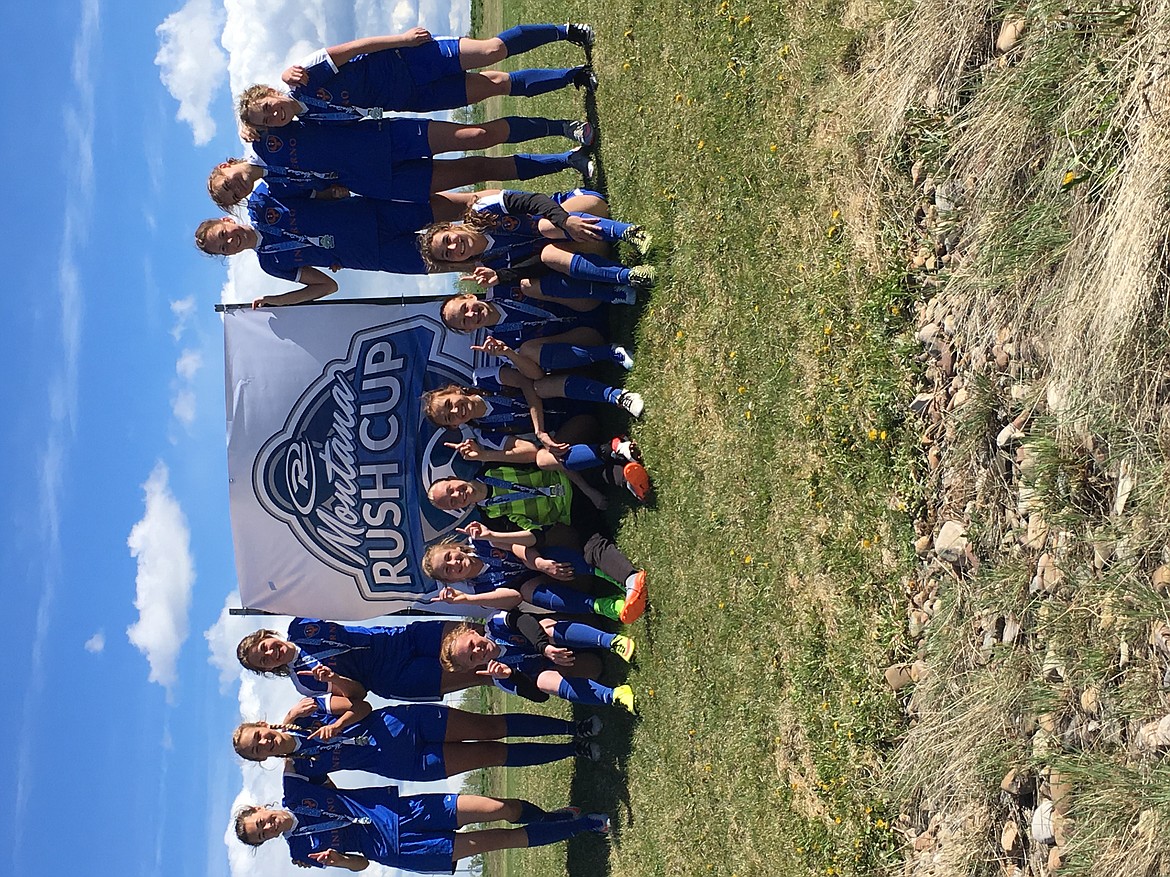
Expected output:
{"points": [[526, 365], [317, 284], [346, 52], [555, 222], [349, 861], [348, 712], [500, 598], [510, 377]]}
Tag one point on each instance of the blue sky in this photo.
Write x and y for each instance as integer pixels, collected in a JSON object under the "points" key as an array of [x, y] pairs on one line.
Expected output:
{"points": [[117, 544]]}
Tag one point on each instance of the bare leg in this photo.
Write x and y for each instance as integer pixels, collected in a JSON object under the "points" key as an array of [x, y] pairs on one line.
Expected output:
{"points": [[463, 679], [449, 206], [463, 725], [480, 53], [451, 137], [590, 204], [462, 757], [474, 843], [582, 336], [487, 83], [480, 808], [453, 173]]}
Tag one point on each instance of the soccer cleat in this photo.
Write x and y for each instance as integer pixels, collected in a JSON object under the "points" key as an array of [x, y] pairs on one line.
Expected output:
{"points": [[580, 34], [589, 727], [637, 480], [635, 603], [622, 357], [639, 237], [599, 822], [624, 294], [632, 402], [609, 607], [623, 696], [580, 161], [642, 276], [625, 448], [623, 647], [588, 749], [580, 132], [564, 814], [585, 78]]}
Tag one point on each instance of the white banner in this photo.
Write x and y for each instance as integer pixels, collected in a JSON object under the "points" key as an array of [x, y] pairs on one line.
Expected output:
{"points": [[329, 455]]}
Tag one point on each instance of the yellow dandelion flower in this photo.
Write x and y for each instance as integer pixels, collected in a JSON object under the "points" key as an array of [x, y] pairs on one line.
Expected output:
{"points": [[745, 21], [837, 820], [678, 335], [1068, 178], [678, 97], [700, 144], [882, 435], [747, 558], [873, 434], [829, 329], [626, 66], [741, 390]]}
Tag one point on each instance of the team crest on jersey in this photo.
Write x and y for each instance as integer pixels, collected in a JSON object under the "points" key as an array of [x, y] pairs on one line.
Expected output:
{"points": [[271, 216], [324, 94], [273, 143], [349, 470], [310, 803], [508, 223], [311, 630]]}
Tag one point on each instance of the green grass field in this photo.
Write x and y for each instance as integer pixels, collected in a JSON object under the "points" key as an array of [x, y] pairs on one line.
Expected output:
{"points": [[822, 180]]}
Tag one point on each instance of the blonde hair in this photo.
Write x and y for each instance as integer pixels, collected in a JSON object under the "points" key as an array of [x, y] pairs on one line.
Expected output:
{"points": [[447, 658], [431, 555], [431, 398], [202, 230], [238, 824], [247, 102], [213, 179], [238, 735], [472, 219], [248, 643]]}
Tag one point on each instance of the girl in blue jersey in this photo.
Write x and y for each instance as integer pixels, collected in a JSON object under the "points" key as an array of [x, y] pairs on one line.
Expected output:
{"points": [[324, 657], [391, 159], [501, 570], [514, 235], [407, 742], [410, 72], [531, 658], [353, 827]]}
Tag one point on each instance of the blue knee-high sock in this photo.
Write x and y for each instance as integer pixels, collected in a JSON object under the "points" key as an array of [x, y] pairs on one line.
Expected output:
{"points": [[562, 599], [525, 725], [585, 691], [537, 164], [527, 754], [563, 286], [530, 83], [543, 833], [586, 266], [529, 812], [581, 457], [521, 128], [588, 390], [526, 37], [611, 229], [582, 636], [556, 357]]}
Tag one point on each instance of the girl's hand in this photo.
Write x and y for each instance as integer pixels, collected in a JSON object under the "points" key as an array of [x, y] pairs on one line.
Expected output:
{"points": [[321, 673], [416, 36], [328, 857], [496, 670], [304, 707], [295, 75], [262, 302], [449, 595], [560, 657], [326, 732], [469, 449], [557, 449], [474, 529], [555, 569], [493, 347], [581, 229], [482, 275]]}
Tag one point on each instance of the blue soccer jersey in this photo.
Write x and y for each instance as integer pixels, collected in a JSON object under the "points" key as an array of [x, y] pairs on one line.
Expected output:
{"points": [[397, 662], [328, 819], [514, 239], [523, 319], [362, 233], [408, 79], [387, 159]]}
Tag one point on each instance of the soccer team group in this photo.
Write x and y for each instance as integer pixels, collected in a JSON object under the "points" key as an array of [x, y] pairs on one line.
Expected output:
{"points": [[334, 180]]}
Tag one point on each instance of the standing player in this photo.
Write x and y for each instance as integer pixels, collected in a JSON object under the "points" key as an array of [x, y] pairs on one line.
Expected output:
{"points": [[411, 72], [351, 828]]}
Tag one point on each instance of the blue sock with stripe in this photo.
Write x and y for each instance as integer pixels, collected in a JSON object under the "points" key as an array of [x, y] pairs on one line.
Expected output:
{"points": [[589, 390], [564, 286], [529, 812], [526, 37], [580, 636], [558, 357], [581, 457], [562, 599], [544, 833], [528, 754], [586, 266], [611, 229], [530, 83], [585, 691], [525, 725]]}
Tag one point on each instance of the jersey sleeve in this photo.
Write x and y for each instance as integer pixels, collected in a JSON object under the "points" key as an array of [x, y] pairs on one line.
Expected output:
{"points": [[320, 69], [493, 441], [487, 377], [534, 204]]}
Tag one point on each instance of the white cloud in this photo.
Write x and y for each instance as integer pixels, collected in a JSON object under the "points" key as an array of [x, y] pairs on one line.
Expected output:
{"points": [[183, 310], [190, 361], [192, 65], [96, 644], [161, 542]]}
